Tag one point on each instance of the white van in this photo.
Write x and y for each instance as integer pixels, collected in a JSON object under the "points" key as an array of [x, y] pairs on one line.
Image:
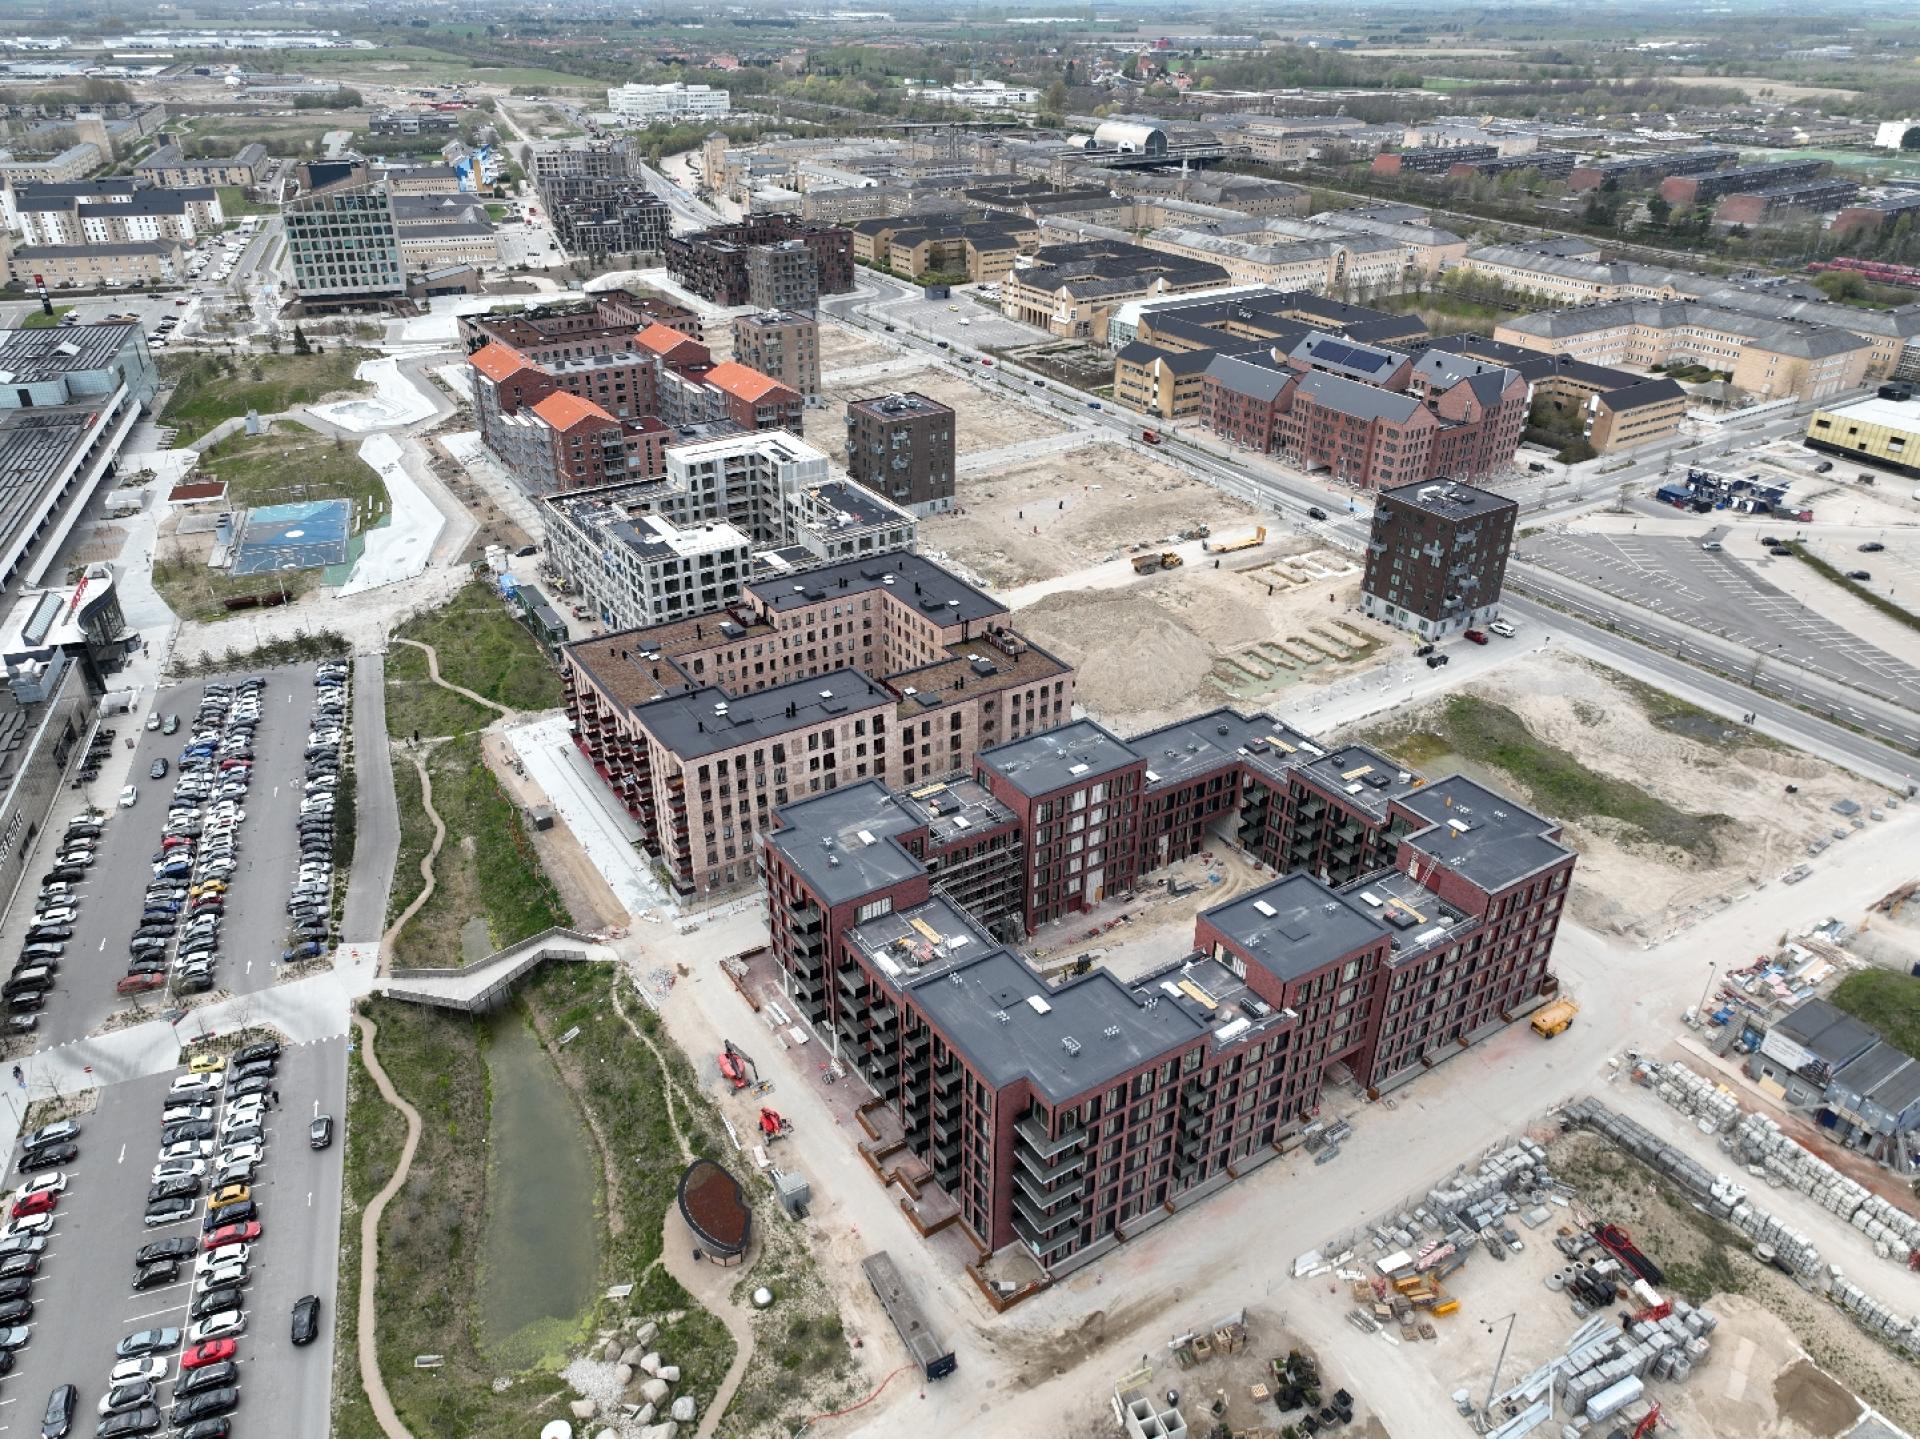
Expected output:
{"points": [[1502, 628]]}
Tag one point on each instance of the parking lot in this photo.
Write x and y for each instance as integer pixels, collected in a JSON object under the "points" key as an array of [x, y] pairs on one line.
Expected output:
{"points": [[83, 1295], [109, 904], [1718, 594]]}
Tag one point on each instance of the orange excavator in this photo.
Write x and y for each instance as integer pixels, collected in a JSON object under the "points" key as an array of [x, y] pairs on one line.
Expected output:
{"points": [[1647, 1425]]}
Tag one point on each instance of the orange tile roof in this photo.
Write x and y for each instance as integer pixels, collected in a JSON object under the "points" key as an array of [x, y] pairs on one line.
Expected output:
{"points": [[497, 361], [563, 411], [742, 381], [662, 339]]}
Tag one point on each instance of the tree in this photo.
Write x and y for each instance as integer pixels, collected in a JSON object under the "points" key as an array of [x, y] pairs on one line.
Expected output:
{"points": [[1659, 211], [1056, 99], [300, 344]]}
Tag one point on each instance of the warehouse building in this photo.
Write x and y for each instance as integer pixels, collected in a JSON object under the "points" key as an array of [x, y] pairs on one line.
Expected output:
{"points": [[1882, 431]]}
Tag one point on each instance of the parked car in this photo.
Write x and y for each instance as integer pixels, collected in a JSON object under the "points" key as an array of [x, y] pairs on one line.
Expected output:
{"points": [[147, 1341], [212, 1351]]}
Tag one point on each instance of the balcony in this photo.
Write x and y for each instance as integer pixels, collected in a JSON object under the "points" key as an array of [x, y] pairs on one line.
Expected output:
{"points": [[852, 982], [947, 1080], [1033, 1137], [1046, 1223], [1044, 1247], [1048, 1171], [1041, 1196]]}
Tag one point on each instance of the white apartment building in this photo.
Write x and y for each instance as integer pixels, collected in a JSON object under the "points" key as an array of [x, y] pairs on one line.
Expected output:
{"points": [[644, 104], [646, 552], [977, 95]]}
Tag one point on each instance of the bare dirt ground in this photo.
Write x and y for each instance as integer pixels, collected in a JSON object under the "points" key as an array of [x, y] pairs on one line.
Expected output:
{"points": [[1183, 642], [983, 420], [1785, 90], [1689, 762], [1051, 516], [842, 348]]}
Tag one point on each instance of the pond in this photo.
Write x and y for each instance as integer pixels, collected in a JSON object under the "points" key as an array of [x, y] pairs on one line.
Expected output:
{"points": [[542, 1244]]}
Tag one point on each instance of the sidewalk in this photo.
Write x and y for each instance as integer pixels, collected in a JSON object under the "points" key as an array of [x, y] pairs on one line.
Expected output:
{"points": [[585, 805]]}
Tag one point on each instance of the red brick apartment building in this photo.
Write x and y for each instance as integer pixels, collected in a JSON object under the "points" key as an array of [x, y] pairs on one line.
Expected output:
{"points": [[1410, 920], [631, 390], [1370, 416], [599, 323], [887, 668]]}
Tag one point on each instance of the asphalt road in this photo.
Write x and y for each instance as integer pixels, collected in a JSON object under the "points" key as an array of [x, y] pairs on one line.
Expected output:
{"points": [[110, 898], [1719, 594], [83, 1299]]}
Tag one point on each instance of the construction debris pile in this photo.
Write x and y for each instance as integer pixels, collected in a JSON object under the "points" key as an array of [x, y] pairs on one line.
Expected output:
{"points": [[1771, 1154], [1776, 1242]]}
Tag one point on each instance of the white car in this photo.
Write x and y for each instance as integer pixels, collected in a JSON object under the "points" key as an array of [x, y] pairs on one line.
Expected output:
{"points": [[31, 1224], [217, 1326], [187, 1149], [241, 1119], [148, 1367], [56, 914], [251, 1152], [233, 1254], [224, 1275], [179, 1169], [129, 796], [196, 1084], [42, 1184]]}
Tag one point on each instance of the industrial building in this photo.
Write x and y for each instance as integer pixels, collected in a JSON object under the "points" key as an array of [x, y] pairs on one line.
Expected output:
{"points": [[71, 399], [1409, 921], [649, 552], [1437, 556], [887, 668], [1882, 431], [901, 445]]}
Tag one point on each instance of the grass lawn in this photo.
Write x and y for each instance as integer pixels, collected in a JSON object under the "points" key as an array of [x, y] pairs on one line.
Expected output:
{"points": [[210, 388], [489, 890], [282, 466], [423, 63], [429, 1239], [1888, 1001], [1445, 314], [41, 320], [482, 646], [1493, 736], [234, 203]]}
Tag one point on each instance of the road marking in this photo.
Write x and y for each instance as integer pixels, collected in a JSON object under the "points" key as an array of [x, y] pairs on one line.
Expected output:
{"points": [[123, 1155], [155, 1314]]}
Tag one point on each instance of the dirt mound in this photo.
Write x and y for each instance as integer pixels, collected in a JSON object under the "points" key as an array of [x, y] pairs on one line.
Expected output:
{"points": [[1814, 1400], [1134, 657]]}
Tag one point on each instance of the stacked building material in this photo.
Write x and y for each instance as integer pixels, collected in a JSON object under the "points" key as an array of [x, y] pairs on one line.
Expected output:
{"points": [[1642, 1143], [1894, 1232], [1476, 1199], [1874, 1316], [1690, 1093]]}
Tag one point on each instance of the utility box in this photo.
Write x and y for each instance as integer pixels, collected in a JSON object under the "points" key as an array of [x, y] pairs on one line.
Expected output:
{"points": [[793, 1192]]}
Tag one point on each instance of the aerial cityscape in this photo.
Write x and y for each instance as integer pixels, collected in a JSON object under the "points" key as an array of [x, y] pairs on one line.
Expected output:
{"points": [[1048, 722]]}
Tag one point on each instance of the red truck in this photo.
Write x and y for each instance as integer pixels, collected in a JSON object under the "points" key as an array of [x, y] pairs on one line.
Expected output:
{"points": [[1149, 437]]}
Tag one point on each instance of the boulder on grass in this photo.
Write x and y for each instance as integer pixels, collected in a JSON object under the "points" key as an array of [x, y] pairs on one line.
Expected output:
{"points": [[684, 1409]]}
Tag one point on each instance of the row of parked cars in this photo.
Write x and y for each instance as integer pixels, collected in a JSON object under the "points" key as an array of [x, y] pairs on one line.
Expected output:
{"points": [[310, 899], [30, 1214], [187, 899], [220, 1161], [58, 905]]}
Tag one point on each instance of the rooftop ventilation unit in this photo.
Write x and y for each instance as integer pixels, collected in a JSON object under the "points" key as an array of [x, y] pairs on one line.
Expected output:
{"points": [[1070, 1044]]}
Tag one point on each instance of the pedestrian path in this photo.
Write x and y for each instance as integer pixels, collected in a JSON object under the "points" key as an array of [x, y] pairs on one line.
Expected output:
{"points": [[478, 986]]}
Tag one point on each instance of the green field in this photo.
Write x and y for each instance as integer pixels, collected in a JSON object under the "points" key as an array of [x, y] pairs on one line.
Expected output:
{"points": [[210, 388], [402, 64], [41, 320], [1887, 1001], [234, 203]]}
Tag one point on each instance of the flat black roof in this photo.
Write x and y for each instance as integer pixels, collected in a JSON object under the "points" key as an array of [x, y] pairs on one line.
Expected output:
{"points": [[29, 356], [1075, 754], [1450, 499], [1487, 838], [1295, 925], [706, 721], [1211, 741], [824, 839], [1078, 1037], [917, 581]]}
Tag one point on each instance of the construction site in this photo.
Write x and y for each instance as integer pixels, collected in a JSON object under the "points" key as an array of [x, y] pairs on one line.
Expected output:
{"points": [[1596, 1277], [983, 419], [1676, 813]]}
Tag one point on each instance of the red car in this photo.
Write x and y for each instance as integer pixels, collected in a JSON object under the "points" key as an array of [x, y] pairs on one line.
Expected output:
{"points": [[1478, 637], [232, 1234], [210, 1351], [140, 983], [39, 1203]]}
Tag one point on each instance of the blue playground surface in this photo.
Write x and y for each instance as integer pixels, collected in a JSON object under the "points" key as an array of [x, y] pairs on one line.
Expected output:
{"points": [[300, 537]]}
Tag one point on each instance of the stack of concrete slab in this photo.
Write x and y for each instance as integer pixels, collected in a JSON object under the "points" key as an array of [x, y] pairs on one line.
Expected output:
{"points": [[1642, 1143], [1712, 1107], [1874, 1316], [1482, 1196], [1894, 1232]]}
